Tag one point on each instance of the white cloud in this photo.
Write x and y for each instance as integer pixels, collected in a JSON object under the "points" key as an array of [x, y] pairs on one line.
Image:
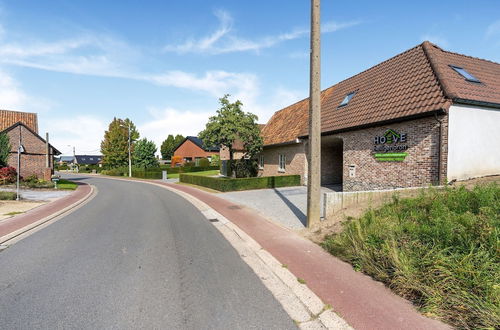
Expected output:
{"points": [[435, 39], [11, 95], [493, 29], [172, 121], [83, 132], [224, 41]]}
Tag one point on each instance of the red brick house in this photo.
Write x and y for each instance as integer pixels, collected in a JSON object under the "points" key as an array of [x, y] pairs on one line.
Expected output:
{"points": [[38, 156], [192, 148], [423, 117]]}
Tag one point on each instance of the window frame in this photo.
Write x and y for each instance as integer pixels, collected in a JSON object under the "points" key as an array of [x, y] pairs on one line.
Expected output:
{"points": [[281, 163], [351, 94], [464, 73], [261, 162]]}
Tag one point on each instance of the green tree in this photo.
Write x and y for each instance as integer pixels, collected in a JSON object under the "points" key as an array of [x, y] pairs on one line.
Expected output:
{"points": [[144, 154], [231, 123], [114, 147], [168, 146], [4, 149]]}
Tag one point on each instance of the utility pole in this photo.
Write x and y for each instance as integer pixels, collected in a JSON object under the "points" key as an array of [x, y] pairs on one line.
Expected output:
{"points": [[129, 154], [314, 145]]}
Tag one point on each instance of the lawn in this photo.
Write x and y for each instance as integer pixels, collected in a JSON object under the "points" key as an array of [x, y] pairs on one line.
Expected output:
{"points": [[66, 185], [204, 173], [440, 250]]}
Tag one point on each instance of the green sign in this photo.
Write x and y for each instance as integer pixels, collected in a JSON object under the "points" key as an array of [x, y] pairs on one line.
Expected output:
{"points": [[391, 156]]}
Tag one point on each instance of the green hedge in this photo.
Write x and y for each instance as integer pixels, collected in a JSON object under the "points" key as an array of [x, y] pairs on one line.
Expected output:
{"points": [[231, 184], [188, 169], [7, 195]]}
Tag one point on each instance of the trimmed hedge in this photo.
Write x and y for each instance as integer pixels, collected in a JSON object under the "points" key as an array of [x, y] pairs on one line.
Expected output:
{"points": [[187, 169], [231, 184]]}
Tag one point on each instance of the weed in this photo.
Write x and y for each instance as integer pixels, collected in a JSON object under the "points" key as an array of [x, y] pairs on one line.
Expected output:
{"points": [[301, 280], [440, 250]]}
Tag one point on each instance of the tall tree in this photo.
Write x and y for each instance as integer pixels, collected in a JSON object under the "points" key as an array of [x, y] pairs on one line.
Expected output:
{"points": [[231, 123], [144, 154], [4, 149], [168, 146], [114, 147]]}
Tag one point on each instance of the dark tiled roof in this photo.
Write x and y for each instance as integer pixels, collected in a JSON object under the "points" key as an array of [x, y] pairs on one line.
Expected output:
{"points": [[199, 142], [88, 159], [9, 118], [415, 82]]}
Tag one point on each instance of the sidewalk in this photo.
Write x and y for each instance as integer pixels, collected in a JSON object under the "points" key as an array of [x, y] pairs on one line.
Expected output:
{"points": [[361, 301], [9, 228]]}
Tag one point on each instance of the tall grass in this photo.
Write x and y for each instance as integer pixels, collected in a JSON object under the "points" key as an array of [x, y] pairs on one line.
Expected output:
{"points": [[440, 250]]}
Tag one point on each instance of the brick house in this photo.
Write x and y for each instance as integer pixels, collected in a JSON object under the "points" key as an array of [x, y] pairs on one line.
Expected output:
{"points": [[192, 148], [423, 117], [38, 156]]}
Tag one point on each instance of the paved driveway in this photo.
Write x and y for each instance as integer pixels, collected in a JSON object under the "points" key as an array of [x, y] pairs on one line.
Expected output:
{"points": [[287, 206]]}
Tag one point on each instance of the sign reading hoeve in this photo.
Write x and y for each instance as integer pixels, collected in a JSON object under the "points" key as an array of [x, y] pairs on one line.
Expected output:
{"points": [[390, 146]]}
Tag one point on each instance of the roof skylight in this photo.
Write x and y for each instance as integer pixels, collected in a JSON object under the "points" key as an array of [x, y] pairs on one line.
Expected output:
{"points": [[465, 74], [347, 98]]}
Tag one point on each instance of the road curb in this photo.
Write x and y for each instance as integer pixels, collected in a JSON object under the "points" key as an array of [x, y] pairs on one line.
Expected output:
{"points": [[303, 305], [25, 231]]}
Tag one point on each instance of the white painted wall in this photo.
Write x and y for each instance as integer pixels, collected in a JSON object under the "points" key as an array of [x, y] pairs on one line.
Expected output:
{"points": [[473, 142]]}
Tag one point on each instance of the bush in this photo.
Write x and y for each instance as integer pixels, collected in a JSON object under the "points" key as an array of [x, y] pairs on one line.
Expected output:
{"points": [[8, 175], [115, 172], [203, 162], [245, 168], [231, 184], [176, 160], [439, 250], [38, 184], [7, 196], [215, 160]]}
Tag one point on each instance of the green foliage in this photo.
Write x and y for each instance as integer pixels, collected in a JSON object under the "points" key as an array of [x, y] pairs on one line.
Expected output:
{"points": [[245, 168], [204, 162], [230, 124], [231, 184], [119, 171], [439, 250], [168, 146], [215, 160], [189, 169], [144, 154], [4, 149], [114, 147], [7, 196]]}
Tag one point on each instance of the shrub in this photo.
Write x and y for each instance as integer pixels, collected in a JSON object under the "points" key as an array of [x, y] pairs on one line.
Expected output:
{"points": [[439, 250], [115, 172], [245, 168], [7, 196], [8, 175], [231, 184], [215, 160], [203, 162], [31, 179], [175, 161]]}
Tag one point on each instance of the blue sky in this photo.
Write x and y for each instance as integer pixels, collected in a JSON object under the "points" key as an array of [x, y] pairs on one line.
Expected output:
{"points": [[164, 64]]}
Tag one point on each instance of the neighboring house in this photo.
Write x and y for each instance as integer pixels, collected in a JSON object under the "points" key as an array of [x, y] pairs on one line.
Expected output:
{"points": [[88, 160], [65, 160], [192, 148], [38, 155], [238, 148], [423, 117]]}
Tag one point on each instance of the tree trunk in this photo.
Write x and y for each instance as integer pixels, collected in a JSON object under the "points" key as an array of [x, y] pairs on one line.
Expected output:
{"points": [[231, 165]]}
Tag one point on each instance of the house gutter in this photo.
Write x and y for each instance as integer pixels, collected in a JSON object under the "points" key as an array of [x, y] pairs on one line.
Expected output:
{"points": [[440, 129], [296, 141], [479, 103]]}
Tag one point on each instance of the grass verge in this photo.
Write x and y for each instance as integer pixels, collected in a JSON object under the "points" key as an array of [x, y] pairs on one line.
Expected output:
{"points": [[440, 250], [7, 196], [203, 173], [66, 185]]}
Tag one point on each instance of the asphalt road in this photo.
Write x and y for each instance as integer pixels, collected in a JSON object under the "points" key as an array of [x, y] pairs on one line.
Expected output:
{"points": [[135, 257]]}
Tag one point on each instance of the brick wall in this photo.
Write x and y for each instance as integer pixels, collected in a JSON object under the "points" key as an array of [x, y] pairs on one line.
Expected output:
{"points": [[190, 149], [34, 158], [224, 154], [420, 167], [295, 160]]}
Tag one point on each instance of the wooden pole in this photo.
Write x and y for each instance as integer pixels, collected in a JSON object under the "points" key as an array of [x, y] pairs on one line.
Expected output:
{"points": [[314, 145]]}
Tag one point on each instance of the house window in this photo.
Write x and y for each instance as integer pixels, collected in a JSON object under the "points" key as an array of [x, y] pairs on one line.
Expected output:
{"points": [[261, 161], [347, 98], [465, 74], [281, 163]]}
